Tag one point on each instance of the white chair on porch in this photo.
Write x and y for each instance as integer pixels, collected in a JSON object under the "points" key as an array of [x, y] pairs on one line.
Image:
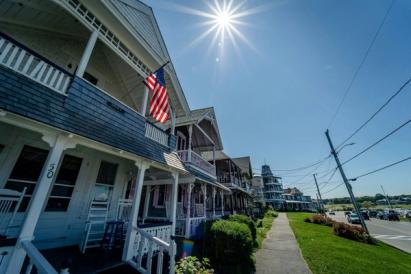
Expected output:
{"points": [[10, 201], [95, 225]]}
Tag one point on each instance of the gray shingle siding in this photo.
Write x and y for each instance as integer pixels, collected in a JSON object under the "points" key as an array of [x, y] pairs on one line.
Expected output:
{"points": [[85, 111]]}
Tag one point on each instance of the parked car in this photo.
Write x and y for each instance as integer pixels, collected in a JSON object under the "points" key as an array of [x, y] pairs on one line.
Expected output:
{"points": [[353, 219], [373, 213], [408, 214], [331, 213], [380, 215], [347, 213], [391, 215], [365, 215]]}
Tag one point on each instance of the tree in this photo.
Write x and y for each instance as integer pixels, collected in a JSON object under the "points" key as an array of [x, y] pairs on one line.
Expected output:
{"points": [[379, 196], [367, 204]]}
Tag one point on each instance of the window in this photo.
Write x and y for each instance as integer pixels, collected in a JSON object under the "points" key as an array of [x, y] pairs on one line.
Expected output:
{"points": [[105, 181], [26, 172], [64, 185]]}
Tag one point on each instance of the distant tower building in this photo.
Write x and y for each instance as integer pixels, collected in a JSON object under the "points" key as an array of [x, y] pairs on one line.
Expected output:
{"points": [[273, 188]]}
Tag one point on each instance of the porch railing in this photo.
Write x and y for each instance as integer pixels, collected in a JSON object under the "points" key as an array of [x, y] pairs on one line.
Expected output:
{"points": [[36, 260], [195, 223], [197, 161], [147, 245], [22, 60], [156, 134]]}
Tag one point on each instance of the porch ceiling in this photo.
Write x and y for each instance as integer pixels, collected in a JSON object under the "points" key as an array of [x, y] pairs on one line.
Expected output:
{"points": [[41, 14]]}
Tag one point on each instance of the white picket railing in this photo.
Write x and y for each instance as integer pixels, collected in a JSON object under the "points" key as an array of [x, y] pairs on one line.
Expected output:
{"points": [[148, 245], [156, 134], [197, 161], [37, 260], [21, 60], [195, 223]]}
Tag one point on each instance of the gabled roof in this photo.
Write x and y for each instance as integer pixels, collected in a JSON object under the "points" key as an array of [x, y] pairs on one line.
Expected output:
{"points": [[244, 163], [139, 19], [204, 118]]}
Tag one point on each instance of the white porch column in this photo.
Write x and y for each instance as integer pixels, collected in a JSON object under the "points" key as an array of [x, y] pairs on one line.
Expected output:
{"points": [[222, 202], [58, 144], [174, 194], [190, 133], [146, 203], [214, 201], [143, 106], [87, 54], [204, 189], [131, 236], [188, 228]]}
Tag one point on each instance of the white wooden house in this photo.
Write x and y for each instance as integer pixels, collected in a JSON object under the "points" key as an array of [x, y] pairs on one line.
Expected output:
{"points": [[229, 174], [75, 135], [200, 196]]}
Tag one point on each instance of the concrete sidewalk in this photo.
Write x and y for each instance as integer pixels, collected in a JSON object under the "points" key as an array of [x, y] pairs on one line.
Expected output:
{"points": [[280, 252]]}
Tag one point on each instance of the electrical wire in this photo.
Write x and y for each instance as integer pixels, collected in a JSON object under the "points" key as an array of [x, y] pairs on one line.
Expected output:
{"points": [[381, 168], [299, 168], [332, 189], [377, 142], [375, 113], [362, 62]]}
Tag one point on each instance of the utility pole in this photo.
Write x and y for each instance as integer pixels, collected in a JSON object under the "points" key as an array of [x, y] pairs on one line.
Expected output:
{"points": [[386, 197], [347, 183], [319, 195], [318, 202]]}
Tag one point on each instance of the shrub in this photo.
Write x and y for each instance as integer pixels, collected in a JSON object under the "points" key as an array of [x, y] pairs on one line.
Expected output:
{"points": [[231, 246], [352, 232], [322, 220], [245, 220], [307, 220], [271, 213], [192, 265]]}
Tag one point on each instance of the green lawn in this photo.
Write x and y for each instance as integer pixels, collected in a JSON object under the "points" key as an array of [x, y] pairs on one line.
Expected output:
{"points": [[326, 253]]}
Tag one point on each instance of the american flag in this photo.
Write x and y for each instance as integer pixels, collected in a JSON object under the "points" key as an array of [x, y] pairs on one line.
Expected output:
{"points": [[159, 107]]}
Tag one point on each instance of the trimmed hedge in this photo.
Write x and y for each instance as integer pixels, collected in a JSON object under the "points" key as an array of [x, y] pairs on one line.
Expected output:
{"points": [[245, 220], [231, 247], [271, 213]]}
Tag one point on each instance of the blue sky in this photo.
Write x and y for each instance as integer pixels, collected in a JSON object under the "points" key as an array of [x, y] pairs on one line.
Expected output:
{"points": [[275, 97]]}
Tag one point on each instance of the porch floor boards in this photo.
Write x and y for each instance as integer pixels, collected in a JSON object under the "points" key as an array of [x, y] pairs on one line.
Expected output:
{"points": [[95, 260]]}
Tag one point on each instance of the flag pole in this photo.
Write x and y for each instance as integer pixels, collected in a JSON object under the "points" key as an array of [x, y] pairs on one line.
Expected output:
{"points": [[165, 64]]}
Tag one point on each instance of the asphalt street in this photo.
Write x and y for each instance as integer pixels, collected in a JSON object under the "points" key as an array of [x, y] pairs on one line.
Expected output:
{"points": [[397, 234]]}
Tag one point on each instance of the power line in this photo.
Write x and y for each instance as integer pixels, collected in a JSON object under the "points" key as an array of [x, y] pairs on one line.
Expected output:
{"points": [[381, 168], [377, 142], [375, 113], [362, 62], [300, 168], [334, 188]]}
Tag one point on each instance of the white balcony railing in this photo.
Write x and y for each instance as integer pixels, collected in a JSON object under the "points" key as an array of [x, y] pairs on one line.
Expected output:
{"points": [[156, 134], [197, 161], [195, 223], [147, 245], [38, 69], [36, 260]]}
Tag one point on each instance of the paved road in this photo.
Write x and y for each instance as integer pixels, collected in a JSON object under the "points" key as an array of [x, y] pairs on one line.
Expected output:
{"points": [[397, 234], [280, 253]]}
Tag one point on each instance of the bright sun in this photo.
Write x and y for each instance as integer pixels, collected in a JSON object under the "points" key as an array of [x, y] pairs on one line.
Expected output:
{"points": [[223, 20]]}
